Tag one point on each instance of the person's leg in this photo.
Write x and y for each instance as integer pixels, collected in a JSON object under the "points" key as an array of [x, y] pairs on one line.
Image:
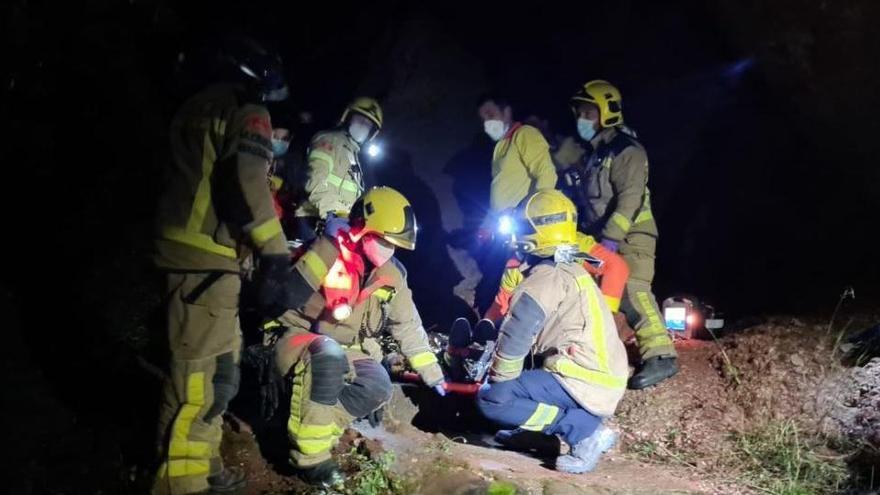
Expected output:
{"points": [[536, 401], [205, 342]]}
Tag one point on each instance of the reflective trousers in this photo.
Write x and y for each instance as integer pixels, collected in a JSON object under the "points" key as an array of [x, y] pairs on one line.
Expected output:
{"points": [[536, 401], [205, 343], [332, 386]]}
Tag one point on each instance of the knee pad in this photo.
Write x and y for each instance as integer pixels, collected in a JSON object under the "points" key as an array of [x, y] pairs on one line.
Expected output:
{"points": [[225, 381], [368, 391], [328, 369]]}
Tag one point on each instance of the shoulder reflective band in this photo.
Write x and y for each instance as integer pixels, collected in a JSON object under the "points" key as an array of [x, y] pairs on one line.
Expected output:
{"points": [[583, 282], [196, 453], [621, 221], [265, 231], [198, 241], [569, 369], [543, 417], [422, 359], [316, 266]]}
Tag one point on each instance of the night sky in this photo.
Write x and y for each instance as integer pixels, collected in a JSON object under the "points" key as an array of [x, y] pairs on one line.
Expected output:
{"points": [[758, 117]]}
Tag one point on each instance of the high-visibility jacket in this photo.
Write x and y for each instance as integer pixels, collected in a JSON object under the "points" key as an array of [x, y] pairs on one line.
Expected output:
{"points": [[335, 180], [612, 273], [619, 202], [217, 205], [521, 165], [559, 317], [381, 304]]}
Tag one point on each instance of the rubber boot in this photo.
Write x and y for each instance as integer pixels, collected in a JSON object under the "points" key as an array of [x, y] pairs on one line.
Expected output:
{"points": [[325, 474], [230, 480], [654, 370]]}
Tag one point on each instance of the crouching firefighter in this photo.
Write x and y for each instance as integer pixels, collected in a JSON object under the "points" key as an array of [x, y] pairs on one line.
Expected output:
{"points": [[330, 350], [558, 316]]}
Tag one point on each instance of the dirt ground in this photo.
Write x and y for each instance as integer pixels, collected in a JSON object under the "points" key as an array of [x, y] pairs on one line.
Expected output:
{"points": [[677, 437], [70, 437]]}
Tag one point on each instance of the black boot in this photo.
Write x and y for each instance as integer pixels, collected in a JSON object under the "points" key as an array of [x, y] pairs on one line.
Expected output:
{"points": [[230, 480], [654, 370], [326, 474]]}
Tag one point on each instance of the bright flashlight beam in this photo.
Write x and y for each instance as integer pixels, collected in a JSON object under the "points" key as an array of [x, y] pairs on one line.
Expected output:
{"points": [[374, 151], [505, 225]]}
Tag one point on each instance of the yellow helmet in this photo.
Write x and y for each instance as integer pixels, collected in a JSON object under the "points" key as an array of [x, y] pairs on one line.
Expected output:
{"points": [[386, 213], [549, 221], [605, 96], [369, 108]]}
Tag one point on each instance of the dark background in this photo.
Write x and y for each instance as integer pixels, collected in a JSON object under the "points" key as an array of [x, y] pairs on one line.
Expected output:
{"points": [[759, 117]]}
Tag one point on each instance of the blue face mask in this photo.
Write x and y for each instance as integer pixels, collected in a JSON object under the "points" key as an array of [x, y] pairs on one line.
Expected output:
{"points": [[279, 147], [586, 128]]}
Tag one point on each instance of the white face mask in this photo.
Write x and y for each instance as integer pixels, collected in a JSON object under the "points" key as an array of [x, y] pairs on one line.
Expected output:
{"points": [[496, 129], [359, 132], [586, 128], [376, 251]]}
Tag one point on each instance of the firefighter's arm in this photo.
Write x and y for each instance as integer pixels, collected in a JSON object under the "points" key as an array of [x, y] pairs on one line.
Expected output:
{"points": [[614, 274], [322, 159], [629, 179], [251, 204], [520, 328], [535, 153], [405, 326]]}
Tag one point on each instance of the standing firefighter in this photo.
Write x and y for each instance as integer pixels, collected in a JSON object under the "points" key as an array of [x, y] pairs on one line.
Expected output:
{"points": [[521, 165], [215, 210], [557, 315], [617, 209], [334, 180], [330, 350]]}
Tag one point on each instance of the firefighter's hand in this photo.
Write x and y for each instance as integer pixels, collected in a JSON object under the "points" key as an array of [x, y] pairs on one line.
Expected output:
{"points": [[610, 245], [334, 225], [440, 388], [273, 280]]}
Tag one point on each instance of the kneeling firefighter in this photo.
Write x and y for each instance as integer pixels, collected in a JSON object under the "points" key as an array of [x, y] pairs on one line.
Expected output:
{"points": [[558, 316], [330, 350]]}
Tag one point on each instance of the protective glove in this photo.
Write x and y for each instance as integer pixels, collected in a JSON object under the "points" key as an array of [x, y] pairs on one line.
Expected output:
{"points": [[440, 388], [334, 225], [609, 245], [273, 285]]}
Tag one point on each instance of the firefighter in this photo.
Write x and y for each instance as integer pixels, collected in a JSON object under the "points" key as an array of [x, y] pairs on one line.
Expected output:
{"points": [[616, 208], [334, 180], [608, 266], [521, 165], [557, 315], [330, 350], [215, 211]]}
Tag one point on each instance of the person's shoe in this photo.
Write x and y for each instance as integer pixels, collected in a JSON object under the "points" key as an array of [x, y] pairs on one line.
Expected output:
{"points": [[485, 331], [586, 454], [654, 370], [325, 474], [505, 437], [460, 334], [230, 480]]}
